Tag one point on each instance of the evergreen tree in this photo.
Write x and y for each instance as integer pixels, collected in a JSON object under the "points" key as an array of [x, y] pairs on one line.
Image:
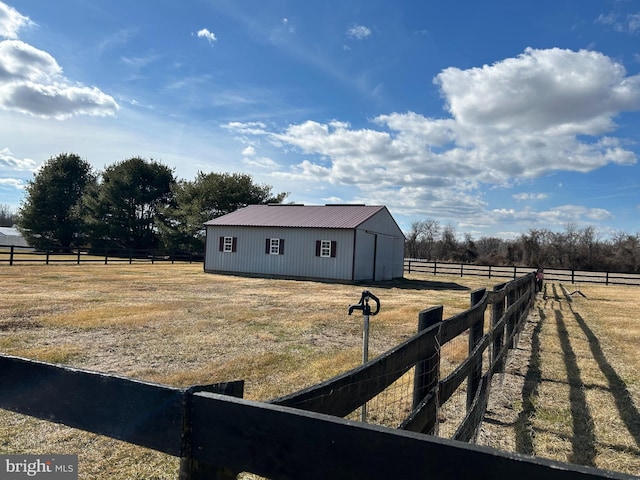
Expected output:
{"points": [[50, 214], [123, 209], [209, 196]]}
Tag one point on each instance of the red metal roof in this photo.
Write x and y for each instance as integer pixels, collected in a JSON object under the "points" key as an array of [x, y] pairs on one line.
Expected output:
{"points": [[302, 216]]}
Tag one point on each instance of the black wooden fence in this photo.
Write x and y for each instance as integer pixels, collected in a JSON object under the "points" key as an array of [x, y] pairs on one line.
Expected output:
{"points": [[303, 435], [18, 255], [510, 304], [416, 265]]}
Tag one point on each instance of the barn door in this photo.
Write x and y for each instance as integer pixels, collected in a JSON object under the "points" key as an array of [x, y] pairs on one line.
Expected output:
{"points": [[383, 258]]}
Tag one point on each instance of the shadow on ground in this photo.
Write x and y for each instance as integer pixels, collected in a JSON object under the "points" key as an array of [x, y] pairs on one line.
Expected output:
{"points": [[558, 308], [411, 284]]}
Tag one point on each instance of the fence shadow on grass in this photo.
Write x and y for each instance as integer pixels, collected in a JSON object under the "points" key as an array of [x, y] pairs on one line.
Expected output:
{"points": [[618, 388], [414, 284], [532, 379], [583, 439]]}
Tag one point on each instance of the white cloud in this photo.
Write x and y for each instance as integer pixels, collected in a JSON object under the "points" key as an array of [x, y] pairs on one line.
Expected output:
{"points": [[207, 35], [9, 162], [20, 62], [11, 21], [521, 197], [249, 151], [286, 23], [542, 91], [31, 81], [564, 214], [246, 128], [358, 32], [265, 163], [629, 23], [16, 183], [554, 217], [520, 118]]}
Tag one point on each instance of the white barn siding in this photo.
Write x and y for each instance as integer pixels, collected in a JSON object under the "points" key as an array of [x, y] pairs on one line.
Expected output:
{"points": [[298, 260], [379, 250], [370, 245], [10, 236]]}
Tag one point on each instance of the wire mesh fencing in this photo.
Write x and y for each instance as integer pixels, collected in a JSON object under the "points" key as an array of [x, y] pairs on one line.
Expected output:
{"points": [[436, 382]]}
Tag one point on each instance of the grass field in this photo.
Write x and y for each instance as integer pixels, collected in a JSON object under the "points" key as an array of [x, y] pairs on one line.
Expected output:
{"points": [[577, 389], [176, 325]]}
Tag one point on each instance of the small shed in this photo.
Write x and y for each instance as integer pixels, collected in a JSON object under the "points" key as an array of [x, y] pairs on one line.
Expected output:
{"points": [[11, 236], [330, 242]]}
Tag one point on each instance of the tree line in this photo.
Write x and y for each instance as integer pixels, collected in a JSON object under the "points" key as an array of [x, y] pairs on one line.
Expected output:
{"points": [[139, 204], [572, 249], [132, 204]]}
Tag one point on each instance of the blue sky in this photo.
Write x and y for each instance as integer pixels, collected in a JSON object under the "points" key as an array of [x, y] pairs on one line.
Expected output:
{"points": [[493, 117]]}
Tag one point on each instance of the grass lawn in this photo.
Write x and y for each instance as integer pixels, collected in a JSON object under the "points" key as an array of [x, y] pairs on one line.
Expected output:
{"points": [[174, 324]]}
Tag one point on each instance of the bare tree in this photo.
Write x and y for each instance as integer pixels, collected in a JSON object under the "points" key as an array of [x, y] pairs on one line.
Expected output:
{"points": [[448, 242], [626, 252], [422, 237], [8, 216]]}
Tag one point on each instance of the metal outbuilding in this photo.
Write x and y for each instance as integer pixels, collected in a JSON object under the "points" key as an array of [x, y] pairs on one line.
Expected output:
{"points": [[330, 242], [11, 236]]}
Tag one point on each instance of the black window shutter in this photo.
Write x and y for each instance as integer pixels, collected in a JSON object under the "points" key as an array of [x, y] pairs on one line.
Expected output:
{"points": [[334, 244], [221, 245], [281, 246], [267, 247], [318, 243], [234, 244]]}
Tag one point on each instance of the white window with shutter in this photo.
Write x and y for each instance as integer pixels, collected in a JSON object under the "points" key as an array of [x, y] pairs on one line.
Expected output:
{"points": [[325, 248], [274, 246], [228, 244]]}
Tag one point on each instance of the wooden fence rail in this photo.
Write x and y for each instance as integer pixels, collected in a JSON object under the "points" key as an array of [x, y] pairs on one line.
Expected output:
{"points": [[302, 435], [209, 429], [416, 265], [12, 255], [17, 255], [343, 394]]}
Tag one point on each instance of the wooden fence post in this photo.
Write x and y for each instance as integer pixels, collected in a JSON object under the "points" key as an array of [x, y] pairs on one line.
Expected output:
{"points": [[427, 372], [475, 335], [191, 469], [496, 314], [11, 256], [510, 326]]}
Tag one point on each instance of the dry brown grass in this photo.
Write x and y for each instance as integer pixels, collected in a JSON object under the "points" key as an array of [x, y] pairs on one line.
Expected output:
{"points": [[176, 325], [578, 386]]}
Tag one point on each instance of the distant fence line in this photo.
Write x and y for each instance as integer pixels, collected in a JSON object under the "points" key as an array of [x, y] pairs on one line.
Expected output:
{"points": [[15, 255], [18, 255], [416, 265], [302, 435]]}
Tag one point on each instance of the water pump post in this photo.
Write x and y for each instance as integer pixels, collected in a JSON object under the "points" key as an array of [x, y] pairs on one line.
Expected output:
{"points": [[366, 312]]}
